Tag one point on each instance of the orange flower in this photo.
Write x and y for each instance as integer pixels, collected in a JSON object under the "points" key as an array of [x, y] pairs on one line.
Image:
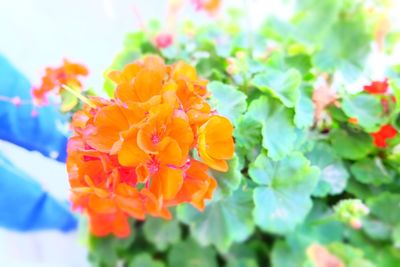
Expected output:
{"points": [[215, 142], [130, 157], [353, 120], [68, 74]]}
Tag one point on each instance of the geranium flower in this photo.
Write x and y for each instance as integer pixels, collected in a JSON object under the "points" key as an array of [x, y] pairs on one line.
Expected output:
{"points": [[130, 157], [163, 40], [377, 87], [67, 74], [384, 133], [215, 142]]}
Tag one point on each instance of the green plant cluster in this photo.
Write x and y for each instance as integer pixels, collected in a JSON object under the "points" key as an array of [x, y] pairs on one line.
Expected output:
{"points": [[306, 169]]}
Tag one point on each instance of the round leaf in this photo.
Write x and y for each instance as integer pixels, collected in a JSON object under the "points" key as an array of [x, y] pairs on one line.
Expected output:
{"points": [[161, 233], [281, 85], [189, 254], [223, 222], [283, 198]]}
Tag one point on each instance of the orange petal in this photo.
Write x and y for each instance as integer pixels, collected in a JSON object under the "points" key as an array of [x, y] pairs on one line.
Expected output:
{"points": [[171, 153], [101, 205], [147, 84], [218, 137], [182, 70], [121, 227], [217, 164], [148, 138], [130, 154], [142, 173], [182, 133], [166, 183]]}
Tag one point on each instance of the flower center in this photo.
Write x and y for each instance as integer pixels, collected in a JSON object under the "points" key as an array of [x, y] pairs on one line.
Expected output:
{"points": [[155, 139], [153, 165]]}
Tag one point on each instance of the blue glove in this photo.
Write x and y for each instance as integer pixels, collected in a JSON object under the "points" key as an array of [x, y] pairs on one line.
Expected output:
{"points": [[18, 126], [25, 206]]}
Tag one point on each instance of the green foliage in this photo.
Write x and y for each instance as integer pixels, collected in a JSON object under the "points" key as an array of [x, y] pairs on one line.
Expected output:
{"points": [[229, 181], [278, 129], [297, 179], [145, 260], [224, 221], [333, 175], [281, 85], [282, 199], [228, 100], [351, 144], [189, 254], [161, 233], [369, 118]]}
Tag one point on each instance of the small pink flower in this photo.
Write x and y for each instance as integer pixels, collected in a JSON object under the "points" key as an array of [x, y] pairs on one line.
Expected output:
{"points": [[163, 40]]}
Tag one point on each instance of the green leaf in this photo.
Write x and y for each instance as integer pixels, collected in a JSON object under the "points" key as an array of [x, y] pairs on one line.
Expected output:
{"points": [[106, 250], [278, 130], [68, 101], [227, 100], [145, 260], [396, 236], [386, 207], [229, 181], [307, 22], [333, 176], [345, 47], [161, 233], [283, 255], [301, 62], [395, 85], [370, 171], [223, 222], [283, 198], [189, 254], [376, 229], [281, 85], [350, 144], [109, 87], [243, 263], [304, 112], [247, 133], [241, 256], [351, 256], [367, 109]]}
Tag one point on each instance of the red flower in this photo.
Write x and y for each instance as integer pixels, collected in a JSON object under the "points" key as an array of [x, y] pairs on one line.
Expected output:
{"points": [[377, 87], [384, 133], [163, 40]]}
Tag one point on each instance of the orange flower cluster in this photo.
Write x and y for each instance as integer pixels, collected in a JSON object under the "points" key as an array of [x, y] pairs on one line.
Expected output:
{"points": [[134, 155], [54, 78]]}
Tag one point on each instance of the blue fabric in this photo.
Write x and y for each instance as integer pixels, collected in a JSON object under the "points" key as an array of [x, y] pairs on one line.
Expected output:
{"points": [[24, 206], [17, 125]]}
